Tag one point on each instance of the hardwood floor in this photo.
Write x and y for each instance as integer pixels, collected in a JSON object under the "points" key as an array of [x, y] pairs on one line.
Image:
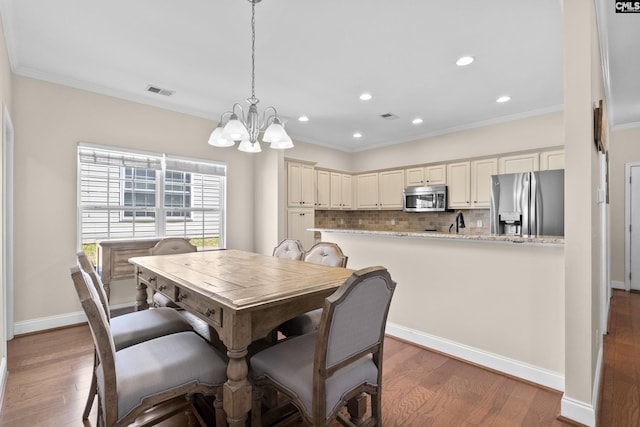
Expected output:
{"points": [[49, 374]]}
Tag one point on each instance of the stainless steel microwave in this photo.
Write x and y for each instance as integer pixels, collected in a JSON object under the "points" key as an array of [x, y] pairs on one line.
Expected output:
{"points": [[425, 199]]}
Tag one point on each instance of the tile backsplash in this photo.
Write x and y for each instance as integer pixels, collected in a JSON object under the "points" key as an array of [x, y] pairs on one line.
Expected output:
{"points": [[476, 220]]}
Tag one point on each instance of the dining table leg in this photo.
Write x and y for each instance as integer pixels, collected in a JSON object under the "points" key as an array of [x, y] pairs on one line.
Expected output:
{"points": [[141, 296], [237, 399]]}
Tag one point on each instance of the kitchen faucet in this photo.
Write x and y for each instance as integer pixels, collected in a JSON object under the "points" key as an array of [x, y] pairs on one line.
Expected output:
{"points": [[459, 221]]}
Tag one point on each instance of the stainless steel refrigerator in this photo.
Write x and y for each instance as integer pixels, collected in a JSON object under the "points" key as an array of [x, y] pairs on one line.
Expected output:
{"points": [[528, 204]]}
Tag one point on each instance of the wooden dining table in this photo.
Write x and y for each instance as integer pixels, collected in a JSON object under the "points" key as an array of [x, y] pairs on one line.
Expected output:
{"points": [[244, 296]]}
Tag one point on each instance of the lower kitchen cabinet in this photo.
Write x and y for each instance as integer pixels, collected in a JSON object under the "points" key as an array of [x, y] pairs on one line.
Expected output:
{"points": [[298, 223]]}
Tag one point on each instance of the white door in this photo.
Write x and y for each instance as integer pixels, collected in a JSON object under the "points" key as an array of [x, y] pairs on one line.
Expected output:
{"points": [[7, 223], [633, 192]]}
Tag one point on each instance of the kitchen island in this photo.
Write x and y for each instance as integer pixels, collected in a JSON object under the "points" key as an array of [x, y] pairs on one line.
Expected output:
{"points": [[497, 301]]}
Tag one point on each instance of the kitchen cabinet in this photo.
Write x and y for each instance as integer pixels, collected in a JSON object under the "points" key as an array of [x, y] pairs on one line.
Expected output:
{"points": [[380, 190], [519, 163], [323, 189], [390, 186], [341, 191], [553, 159], [367, 191], [481, 171], [298, 222], [300, 185], [458, 178], [426, 175]]}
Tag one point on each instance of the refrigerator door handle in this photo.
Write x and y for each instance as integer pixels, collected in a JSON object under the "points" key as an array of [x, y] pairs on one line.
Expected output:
{"points": [[534, 220]]}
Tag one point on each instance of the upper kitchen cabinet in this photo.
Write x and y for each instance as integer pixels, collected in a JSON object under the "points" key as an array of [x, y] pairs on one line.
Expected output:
{"points": [[367, 191], [323, 189], [341, 191], [551, 160], [300, 185], [458, 178], [481, 171], [380, 190], [519, 163], [390, 186], [427, 175]]}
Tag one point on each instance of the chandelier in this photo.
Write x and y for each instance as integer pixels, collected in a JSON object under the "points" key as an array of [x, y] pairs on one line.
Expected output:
{"points": [[246, 128]]}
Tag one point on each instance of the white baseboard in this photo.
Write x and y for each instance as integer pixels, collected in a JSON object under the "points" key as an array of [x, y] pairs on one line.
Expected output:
{"points": [[615, 284], [3, 379], [578, 411], [44, 323], [499, 363]]}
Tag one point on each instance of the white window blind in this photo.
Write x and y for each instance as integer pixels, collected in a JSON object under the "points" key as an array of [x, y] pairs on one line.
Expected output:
{"points": [[126, 194]]}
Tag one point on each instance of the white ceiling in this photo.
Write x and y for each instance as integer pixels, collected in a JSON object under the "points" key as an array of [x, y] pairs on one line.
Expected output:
{"points": [[315, 57]]}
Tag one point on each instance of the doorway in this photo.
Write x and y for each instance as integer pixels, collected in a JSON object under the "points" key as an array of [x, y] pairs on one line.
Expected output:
{"points": [[7, 221], [632, 226]]}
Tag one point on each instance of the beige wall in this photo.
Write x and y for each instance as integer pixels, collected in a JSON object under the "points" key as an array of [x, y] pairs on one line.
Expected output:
{"points": [[525, 134], [624, 148], [50, 120], [500, 298], [5, 100], [582, 86]]}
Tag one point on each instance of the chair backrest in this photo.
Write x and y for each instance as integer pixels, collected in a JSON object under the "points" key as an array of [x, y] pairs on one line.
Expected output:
{"points": [[326, 253], [172, 245], [353, 323], [290, 249], [87, 266], [103, 341]]}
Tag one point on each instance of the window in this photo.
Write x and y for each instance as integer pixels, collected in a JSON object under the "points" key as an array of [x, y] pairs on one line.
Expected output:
{"points": [[125, 194]]}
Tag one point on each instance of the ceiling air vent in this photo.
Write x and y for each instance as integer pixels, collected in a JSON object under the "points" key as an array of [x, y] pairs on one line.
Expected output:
{"points": [[160, 91], [389, 116]]}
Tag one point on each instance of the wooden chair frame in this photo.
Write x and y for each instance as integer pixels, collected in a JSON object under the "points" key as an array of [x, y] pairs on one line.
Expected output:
{"points": [[322, 371]]}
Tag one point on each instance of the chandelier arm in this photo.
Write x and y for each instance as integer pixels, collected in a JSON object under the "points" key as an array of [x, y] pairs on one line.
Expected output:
{"points": [[265, 119], [241, 116]]}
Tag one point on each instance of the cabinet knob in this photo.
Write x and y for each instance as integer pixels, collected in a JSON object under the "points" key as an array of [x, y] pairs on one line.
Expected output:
{"points": [[209, 312]]}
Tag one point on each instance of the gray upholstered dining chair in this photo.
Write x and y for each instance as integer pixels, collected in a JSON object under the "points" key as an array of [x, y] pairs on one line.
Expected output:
{"points": [[169, 246], [130, 328], [325, 253], [321, 371], [163, 370], [290, 249]]}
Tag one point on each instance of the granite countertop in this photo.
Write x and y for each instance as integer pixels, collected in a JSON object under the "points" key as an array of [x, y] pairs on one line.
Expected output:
{"points": [[538, 240]]}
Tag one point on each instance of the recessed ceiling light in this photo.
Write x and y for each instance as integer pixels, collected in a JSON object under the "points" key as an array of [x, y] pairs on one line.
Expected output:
{"points": [[504, 98], [357, 135], [465, 60], [365, 96], [303, 119], [417, 121]]}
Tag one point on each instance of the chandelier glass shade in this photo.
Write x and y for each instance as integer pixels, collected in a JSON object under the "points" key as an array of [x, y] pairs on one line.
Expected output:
{"points": [[246, 128]]}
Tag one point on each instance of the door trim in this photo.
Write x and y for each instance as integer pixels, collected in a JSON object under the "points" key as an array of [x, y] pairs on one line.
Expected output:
{"points": [[7, 224], [627, 223]]}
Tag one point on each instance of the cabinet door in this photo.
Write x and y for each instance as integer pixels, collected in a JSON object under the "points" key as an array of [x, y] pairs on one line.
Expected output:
{"points": [[367, 191], [459, 184], [336, 190], [298, 222], [414, 177], [552, 160], [307, 187], [347, 191], [294, 184], [323, 189], [481, 171], [519, 163], [390, 186], [435, 175]]}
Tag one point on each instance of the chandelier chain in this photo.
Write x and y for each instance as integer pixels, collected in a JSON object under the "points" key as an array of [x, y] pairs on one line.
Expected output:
{"points": [[253, 50]]}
